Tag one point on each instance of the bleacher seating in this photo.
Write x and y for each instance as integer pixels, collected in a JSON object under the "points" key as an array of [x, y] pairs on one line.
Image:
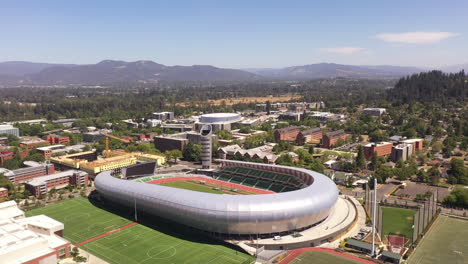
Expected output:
{"points": [[276, 187], [276, 182]]}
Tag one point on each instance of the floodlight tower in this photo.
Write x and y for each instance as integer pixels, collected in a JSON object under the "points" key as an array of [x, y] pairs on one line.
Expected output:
{"points": [[205, 133], [374, 210]]}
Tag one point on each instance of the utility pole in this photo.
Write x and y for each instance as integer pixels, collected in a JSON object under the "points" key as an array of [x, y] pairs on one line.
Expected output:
{"points": [[373, 218]]}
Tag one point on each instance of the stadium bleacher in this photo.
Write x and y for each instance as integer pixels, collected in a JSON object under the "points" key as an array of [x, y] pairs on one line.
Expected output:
{"points": [[268, 180]]}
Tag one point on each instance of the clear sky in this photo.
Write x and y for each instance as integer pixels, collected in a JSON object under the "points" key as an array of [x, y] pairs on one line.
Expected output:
{"points": [[237, 33]]}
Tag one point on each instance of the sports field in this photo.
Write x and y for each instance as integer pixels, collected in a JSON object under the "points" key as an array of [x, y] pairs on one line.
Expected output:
{"points": [[446, 242], [153, 240], [397, 221], [318, 257], [191, 186]]}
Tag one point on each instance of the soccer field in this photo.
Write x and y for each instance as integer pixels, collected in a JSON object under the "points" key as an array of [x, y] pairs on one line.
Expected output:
{"points": [[152, 241], [397, 221], [446, 242], [318, 257], [82, 220]]}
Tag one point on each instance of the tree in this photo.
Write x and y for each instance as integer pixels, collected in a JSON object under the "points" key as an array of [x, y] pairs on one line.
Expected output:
{"points": [[36, 157], [74, 253], [360, 158], [268, 107], [192, 152], [458, 172], [224, 134], [377, 136], [458, 197], [285, 159], [245, 130], [383, 173], [311, 149], [434, 174], [173, 154]]}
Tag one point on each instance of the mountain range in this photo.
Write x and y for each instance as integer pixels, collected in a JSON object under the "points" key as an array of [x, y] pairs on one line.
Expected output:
{"points": [[112, 71]]}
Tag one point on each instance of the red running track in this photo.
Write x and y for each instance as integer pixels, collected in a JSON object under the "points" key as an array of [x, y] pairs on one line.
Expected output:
{"points": [[296, 252], [222, 183], [105, 234]]}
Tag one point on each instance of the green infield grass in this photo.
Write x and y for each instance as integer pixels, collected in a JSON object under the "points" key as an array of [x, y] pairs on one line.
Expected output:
{"points": [[153, 240], [446, 242], [191, 186], [317, 257], [397, 221]]}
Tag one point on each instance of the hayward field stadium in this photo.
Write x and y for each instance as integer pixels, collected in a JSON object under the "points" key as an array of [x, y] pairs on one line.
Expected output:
{"points": [[295, 208]]}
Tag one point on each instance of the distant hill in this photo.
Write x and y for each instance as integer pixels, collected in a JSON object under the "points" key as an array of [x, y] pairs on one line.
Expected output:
{"points": [[332, 70], [20, 68], [112, 71]]}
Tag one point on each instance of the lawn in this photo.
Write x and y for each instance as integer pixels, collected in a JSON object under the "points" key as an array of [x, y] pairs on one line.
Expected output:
{"points": [[153, 240], [82, 219], [397, 221], [191, 186], [317, 257], [446, 242]]}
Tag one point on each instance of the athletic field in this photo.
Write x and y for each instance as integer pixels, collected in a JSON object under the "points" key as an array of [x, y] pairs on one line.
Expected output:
{"points": [[317, 257], [397, 221], [446, 242], [152, 240], [208, 185]]}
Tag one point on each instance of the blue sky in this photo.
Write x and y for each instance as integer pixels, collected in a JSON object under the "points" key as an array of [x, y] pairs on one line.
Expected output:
{"points": [[237, 34]]}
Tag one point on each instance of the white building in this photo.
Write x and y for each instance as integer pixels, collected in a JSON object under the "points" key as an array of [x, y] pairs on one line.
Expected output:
{"points": [[374, 111], [9, 130], [36, 239]]}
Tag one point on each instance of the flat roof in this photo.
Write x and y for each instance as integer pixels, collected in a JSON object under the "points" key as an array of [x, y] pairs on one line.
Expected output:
{"points": [[43, 179], [361, 244], [51, 147], [377, 144]]}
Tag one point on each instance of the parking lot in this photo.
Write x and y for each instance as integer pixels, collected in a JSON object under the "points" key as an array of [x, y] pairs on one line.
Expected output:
{"points": [[413, 188]]}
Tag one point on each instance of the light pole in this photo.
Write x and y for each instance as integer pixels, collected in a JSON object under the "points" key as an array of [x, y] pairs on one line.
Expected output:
{"points": [[373, 218]]}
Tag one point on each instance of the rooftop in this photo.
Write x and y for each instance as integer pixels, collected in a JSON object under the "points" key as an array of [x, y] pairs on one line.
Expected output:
{"points": [[335, 133], [43, 179], [378, 144]]}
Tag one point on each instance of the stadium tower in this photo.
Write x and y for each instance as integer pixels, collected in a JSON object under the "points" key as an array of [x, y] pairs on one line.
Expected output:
{"points": [[205, 133]]}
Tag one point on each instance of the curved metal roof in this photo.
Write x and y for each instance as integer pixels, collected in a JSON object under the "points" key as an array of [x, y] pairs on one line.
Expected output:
{"points": [[235, 214]]}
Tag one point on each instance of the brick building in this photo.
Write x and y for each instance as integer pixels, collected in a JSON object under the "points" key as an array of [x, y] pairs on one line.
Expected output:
{"points": [[331, 138], [7, 154], [29, 173], [313, 135], [380, 149], [287, 133], [43, 184], [57, 139], [31, 144]]}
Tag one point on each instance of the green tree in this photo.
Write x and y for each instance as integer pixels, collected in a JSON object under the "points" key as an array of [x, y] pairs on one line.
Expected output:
{"points": [[173, 154], [360, 158], [311, 150], [434, 175], [458, 197], [192, 152], [458, 172], [224, 134]]}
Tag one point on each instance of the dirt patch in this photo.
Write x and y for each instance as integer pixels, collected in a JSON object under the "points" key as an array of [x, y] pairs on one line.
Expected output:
{"points": [[260, 100]]}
